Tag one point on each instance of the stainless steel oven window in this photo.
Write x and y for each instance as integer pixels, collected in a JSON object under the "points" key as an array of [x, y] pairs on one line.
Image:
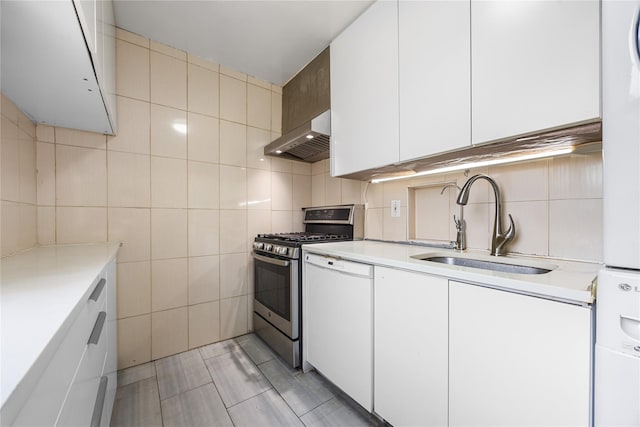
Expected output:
{"points": [[276, 292]]}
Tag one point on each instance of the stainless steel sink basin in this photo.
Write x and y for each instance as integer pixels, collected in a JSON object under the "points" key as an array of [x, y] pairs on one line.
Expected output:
{"points": [[504, 267]]}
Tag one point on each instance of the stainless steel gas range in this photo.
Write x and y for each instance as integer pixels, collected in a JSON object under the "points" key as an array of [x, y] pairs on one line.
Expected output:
{"points": [[278, 274]]}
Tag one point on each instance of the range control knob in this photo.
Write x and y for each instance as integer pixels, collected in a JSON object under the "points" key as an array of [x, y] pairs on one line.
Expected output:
{"points": [[258, 245], [282, 250], [268, 247]]}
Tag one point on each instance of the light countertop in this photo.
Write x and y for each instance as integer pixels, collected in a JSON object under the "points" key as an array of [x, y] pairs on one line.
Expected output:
{"points": [[569, 281], [39, 292]]}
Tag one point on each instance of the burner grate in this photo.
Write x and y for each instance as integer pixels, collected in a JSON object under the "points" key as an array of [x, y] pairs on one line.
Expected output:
{"points": [[304, 237]]}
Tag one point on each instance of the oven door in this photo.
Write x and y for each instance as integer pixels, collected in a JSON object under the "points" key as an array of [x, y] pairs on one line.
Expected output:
{"points": [[276, 290]]}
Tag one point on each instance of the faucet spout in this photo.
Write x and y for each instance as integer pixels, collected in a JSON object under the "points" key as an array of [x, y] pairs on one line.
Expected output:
{"points": [[499, 239]]}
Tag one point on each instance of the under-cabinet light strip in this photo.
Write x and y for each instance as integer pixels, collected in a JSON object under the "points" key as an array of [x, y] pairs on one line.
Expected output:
{"points": [[482, 163]]}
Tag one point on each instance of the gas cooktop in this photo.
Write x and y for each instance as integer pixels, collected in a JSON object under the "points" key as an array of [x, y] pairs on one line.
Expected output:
{"points": [[303, 237]]}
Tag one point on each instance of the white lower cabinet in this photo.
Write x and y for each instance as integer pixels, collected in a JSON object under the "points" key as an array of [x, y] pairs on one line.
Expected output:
{"points": [[517, 360], [337, 321], [410, 347], [71, 391]]}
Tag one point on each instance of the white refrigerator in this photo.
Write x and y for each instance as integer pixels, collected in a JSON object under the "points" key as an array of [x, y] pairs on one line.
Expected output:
{"points": [[617, 352]]}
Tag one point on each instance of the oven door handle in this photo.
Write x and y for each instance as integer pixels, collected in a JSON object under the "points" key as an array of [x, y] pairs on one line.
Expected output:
{"points": [[274, 261]]}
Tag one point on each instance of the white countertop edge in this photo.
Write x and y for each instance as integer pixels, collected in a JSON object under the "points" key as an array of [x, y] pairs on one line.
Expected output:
{"points": [[81, 263], [570, 282]]}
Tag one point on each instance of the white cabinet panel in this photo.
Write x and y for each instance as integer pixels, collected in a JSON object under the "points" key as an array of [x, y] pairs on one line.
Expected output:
{"points": [[338, 324], [516, 360], [50, 72], [535, 65], [364, 92], [410, 347], [434, 77], [65, 394], [79, 405]]}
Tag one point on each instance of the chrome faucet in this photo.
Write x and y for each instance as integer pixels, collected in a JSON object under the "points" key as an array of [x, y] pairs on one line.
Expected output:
{"points": [[499, 240], [461, 239]]}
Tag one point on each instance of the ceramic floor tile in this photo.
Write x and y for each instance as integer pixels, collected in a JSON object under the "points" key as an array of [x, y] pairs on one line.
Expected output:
{"points": [[182, 372], [302, 392], [219, 348], [241, 394], [201, 406], [236, 377], [257, 350], [137, 404], [338, 412], [266, 409], [136, 373]]}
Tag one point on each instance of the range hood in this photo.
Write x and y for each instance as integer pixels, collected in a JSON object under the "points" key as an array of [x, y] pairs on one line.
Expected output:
{"points": [[308, 142], [306, 118]]}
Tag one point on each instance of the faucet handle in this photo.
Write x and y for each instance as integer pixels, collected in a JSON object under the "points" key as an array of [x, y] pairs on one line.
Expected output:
{"points": [[511, 232]]}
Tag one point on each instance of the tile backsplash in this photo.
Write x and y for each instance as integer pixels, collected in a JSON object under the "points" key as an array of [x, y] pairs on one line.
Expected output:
{"points": [[556, 205]]}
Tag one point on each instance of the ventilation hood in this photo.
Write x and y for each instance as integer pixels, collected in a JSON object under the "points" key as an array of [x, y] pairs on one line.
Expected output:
{"points": [[308, 142], [306, 118]]}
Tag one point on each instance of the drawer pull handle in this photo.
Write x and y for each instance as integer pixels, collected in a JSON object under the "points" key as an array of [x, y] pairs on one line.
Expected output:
{"points": [[98, 290], [97, 328], [97, 408]]}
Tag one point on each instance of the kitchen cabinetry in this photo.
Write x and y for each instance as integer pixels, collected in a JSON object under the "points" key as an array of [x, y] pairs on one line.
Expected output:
{"points": [[530, 69], [516, 359], [337, 321], [71, 390], [364, 91], [434, 77], [410, 350], [400, 84], [63, 298], [58, 62], [413, 79]]}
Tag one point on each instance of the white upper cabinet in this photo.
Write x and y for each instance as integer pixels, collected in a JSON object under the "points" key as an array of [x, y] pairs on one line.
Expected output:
{"points": [[535, 65], [434, 77], [364, 92], [58, 65]]}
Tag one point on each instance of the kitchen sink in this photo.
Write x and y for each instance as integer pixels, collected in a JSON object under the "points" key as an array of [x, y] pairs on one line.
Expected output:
{"points": [[484, 264]]}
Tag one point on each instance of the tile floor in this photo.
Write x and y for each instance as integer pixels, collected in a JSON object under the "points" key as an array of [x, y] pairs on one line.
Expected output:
{"points": [[238, 382]]}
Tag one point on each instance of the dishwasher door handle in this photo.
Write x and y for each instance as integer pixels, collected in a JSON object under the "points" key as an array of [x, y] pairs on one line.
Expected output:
{"points": [[351, 268]]}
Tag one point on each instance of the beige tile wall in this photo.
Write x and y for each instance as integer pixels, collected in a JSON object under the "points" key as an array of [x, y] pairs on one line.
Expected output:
{"points": [[327, 190], [556, 205], [18, 211], [184, 186]]}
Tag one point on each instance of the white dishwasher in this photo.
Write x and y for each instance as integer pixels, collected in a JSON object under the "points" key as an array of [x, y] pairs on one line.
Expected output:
{"points": [[337, 323]]}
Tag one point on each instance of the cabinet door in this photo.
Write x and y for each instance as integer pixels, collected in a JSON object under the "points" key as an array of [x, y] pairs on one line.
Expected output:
{"points": [[535, 65], [435, 77], [516, 360], [338, 329], [364, 92], [410, 348]]}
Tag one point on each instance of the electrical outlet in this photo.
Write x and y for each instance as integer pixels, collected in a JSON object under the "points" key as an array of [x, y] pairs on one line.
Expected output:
{"points": [[395, 208]]}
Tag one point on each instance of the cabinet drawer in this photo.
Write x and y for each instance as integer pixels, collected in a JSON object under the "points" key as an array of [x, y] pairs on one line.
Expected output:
{"points": [[45, 401], [79, 405]]}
